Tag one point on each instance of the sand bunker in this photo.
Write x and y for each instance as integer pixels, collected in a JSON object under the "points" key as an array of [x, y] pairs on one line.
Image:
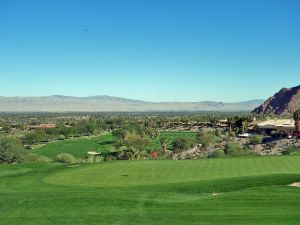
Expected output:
{"points": [[73, 166], [215, 194], [296, 184]]}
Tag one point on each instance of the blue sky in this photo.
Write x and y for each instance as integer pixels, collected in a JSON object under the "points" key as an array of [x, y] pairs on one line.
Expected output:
{"points": [[156, 50]]}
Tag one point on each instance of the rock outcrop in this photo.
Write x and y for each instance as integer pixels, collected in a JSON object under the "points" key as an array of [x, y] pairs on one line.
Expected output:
{"points": [[286, 101]]}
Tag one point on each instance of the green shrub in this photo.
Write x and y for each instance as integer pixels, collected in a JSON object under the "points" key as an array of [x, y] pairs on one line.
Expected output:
{"points": [[182, 143], [93, 159], [206, 138], [233, 149], [134, 141], [218, 153], [11, 150], [65, 158], [33, 137], [256, 139], [291, 151]]}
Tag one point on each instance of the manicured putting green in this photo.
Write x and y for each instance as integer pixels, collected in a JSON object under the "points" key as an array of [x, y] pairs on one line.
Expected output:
{"points": [[133, 173]]}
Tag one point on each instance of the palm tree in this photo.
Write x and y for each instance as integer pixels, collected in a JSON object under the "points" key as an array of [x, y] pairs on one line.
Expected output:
{"points": [[245, 125], [297, 122], [163, 144], [231, 124]]}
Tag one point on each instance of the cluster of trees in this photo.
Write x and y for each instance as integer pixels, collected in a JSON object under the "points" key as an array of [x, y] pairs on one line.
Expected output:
{"points": [[239, 124], [132, 133], [63, 131], [11, 150], [183, 143], [133, 138], [70, 125]]}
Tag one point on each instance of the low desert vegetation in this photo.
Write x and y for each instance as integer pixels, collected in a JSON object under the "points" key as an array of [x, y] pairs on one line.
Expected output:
{"points": [[182, 143], [217, 153], [65, 158], [256, 139], [233, 149], [91, 159], [207, 138], [291, 151]]}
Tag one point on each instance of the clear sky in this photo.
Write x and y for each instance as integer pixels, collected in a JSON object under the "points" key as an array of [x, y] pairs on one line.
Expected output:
{"points": [[157, 50]]}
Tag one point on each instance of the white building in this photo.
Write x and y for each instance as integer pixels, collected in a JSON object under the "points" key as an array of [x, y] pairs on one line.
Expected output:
{"points": [[287, 125]]}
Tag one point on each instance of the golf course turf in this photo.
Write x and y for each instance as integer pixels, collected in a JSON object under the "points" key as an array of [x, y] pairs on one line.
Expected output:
{"points": [[77, 146], [250, 190], [103, 143]]}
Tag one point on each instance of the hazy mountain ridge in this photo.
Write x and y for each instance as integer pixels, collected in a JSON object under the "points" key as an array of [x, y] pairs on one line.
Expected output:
{"points": [[60, 103], [286, 101]]}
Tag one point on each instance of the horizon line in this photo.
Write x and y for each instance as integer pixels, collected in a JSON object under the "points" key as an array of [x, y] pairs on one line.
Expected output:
{"points": [[132, 99]]}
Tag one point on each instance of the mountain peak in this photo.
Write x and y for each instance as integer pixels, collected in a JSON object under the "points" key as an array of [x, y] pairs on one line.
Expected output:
{"points": [[285, 101]]}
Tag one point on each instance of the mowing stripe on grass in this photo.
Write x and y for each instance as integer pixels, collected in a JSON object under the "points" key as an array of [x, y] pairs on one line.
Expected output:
{"points": [[133, 173]]}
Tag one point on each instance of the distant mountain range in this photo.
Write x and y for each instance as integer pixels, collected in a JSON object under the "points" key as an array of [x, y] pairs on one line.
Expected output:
{"points": [[60, 103], [286, 101]]}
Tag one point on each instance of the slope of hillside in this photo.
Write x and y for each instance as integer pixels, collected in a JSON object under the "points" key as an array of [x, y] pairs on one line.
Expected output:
{"points": [[286, 101]]}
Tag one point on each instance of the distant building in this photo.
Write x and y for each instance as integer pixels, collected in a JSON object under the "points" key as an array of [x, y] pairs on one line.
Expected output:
{"points": [[223, 123], [286, 125]]}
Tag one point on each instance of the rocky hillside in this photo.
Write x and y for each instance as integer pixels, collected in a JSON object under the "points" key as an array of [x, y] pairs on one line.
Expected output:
{"points": [[286, 101], [59, 103]]}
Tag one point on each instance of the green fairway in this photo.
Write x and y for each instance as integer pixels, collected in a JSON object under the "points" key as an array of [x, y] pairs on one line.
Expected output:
{"points": [[250, 190], [77, 147], [104, 143]]}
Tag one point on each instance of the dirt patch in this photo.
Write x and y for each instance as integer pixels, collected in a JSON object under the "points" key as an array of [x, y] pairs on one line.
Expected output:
{"points": [[296, 184]]}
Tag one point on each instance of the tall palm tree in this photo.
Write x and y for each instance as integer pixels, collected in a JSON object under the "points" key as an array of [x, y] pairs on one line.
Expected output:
{"points": [[163, 144], [231, 124], [297, 121]]}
